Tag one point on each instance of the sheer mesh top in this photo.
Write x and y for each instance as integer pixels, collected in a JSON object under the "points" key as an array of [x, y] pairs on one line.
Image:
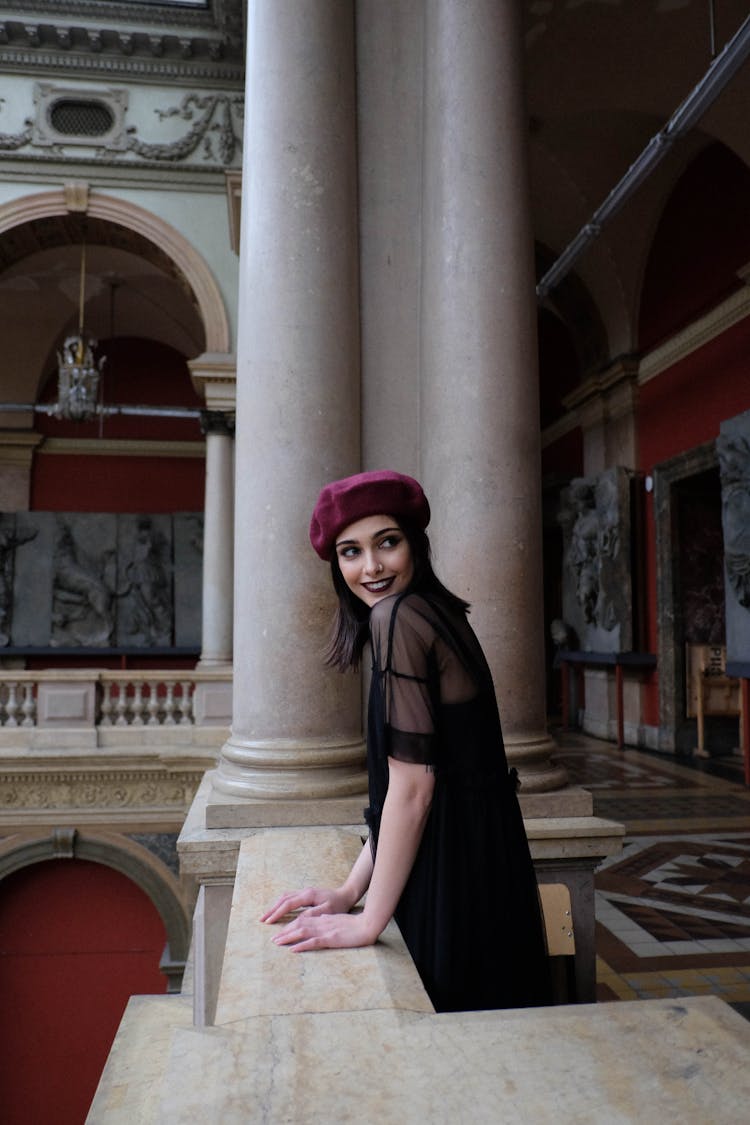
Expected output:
{"points": [[426, 657]]}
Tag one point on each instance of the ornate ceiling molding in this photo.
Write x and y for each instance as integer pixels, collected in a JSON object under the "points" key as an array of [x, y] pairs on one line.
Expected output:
{"points": [[163, 41]]}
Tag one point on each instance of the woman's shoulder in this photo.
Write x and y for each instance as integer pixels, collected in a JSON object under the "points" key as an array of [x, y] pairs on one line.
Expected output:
{"points": [[409, 608], [403, 618]]}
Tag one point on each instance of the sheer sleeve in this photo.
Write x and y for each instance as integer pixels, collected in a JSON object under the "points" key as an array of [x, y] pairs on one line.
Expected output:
{"points": [[404, 659]]}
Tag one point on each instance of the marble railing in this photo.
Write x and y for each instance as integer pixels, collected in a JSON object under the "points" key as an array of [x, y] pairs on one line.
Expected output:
{"points": [[146, 698], [100, 698]]}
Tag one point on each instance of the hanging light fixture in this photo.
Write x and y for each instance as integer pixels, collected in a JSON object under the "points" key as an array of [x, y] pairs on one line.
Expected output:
{"points": [[77, 373]]}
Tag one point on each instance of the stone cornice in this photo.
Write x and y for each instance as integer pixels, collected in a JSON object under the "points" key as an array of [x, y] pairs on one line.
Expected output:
{"points": [[164, 41], [113, 447], [730, 312], [43, 169], [214, 377], [17, 446], [623, 370], [124, 68]]}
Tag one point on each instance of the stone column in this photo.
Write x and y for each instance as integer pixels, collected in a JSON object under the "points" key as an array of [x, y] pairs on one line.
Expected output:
{"points": [[296, 728], [479, 408], [216, 645]]}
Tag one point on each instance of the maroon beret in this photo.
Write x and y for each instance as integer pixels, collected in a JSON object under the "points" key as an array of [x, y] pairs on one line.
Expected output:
{"points": [[366, 494]]}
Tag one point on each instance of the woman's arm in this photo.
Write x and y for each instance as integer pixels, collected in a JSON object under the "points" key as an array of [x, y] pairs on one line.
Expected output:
{"points": [[405, 812]]}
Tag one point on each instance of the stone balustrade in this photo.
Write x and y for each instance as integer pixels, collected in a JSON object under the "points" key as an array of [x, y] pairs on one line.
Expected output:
{"points": [[146, 698], [18, 699], [96, 698], [349, 1035]]}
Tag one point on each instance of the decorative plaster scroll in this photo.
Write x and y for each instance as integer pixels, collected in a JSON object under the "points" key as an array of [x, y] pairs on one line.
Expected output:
{"points": [[216, 122], [215, 127], [12, 141]]}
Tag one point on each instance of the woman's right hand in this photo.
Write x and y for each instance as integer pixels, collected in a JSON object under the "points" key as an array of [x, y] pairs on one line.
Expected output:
{"points": [[310, 900]]}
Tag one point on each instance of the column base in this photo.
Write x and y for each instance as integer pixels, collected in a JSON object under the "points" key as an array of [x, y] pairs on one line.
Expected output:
{"points": [[291, 769], [531, 755]]}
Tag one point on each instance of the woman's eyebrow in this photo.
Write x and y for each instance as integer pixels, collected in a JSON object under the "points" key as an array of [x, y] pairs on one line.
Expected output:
{"points": [[376, 535]]}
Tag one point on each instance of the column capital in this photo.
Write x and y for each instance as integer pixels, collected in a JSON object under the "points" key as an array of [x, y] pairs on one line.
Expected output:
{"points": [[214, 376], [217, 422]]}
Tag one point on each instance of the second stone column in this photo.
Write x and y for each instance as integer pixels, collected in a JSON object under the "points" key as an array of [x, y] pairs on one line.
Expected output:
{"points": [[296, 728], [479, 404]]}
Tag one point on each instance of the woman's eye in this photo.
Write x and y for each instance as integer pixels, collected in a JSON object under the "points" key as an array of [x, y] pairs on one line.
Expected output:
{"points": [[390, 541], [348, 553]]}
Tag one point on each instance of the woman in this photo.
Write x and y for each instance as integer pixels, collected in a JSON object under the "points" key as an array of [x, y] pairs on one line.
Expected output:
{"points": [[447, 854]]}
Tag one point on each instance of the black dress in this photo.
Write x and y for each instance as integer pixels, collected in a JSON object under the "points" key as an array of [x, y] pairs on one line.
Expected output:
{"points": [[470, 911]]}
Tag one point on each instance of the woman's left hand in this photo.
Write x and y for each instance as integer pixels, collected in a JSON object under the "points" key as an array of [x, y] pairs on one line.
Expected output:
{"points": [[326, 931]]}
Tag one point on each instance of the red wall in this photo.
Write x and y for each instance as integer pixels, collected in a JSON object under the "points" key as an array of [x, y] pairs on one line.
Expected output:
{"points": [[77, 939], [79, 483]]}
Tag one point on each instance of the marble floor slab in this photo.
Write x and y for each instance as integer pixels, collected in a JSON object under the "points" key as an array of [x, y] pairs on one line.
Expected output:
{"points": [[673, 910]]}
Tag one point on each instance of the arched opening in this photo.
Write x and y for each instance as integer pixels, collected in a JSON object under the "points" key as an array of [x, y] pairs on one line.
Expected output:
{"points": [[77, 939], [702, 240]]}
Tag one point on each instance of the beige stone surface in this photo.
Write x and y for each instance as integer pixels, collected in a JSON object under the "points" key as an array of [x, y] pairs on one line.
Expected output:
{"points": [[130, 1087], [224, 811], [572, 800], [260, 978], [613, 1064], [573, 837]]}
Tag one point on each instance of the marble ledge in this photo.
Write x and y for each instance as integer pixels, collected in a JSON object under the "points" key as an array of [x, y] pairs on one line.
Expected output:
{"points": [[211, 853], [130, 1087], [260, 978], [205, 742], [585, 837], [647, 1061]]}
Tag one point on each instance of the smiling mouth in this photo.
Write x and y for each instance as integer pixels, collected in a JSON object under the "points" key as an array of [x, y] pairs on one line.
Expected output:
{"points": [[380, 586]]}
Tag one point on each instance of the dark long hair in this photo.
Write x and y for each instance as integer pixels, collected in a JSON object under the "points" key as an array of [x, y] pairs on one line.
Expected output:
{"points": [[350, 630]]}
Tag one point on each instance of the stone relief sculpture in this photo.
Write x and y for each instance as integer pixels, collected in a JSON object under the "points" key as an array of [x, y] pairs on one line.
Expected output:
{"points": [[595, 516], [734, 463], [11, 537], [149, 601], [100, 580], [83, 594], [733, 449]]}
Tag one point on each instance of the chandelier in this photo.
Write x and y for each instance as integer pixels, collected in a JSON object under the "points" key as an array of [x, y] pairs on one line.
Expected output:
{"points": [[77, 373]]}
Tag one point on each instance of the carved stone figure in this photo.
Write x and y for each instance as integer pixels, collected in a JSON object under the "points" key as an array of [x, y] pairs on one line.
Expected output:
{"points": [[734, 463], [83, 594], [594, 514], [149, 595], [10, 538]]}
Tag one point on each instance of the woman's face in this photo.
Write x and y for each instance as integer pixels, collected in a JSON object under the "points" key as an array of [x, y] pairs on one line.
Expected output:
{"points": [[375, 558]]}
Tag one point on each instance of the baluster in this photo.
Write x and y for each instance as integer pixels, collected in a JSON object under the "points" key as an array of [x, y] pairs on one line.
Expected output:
{"points": [[153, 703], [107, 705], [121, 707], [27, 707], [11, 705], [137, 704], [169, 705], [186, 703], [3, 698]]}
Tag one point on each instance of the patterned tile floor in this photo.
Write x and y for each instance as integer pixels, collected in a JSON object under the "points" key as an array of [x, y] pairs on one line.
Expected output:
{"points": [[673, 910]]}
